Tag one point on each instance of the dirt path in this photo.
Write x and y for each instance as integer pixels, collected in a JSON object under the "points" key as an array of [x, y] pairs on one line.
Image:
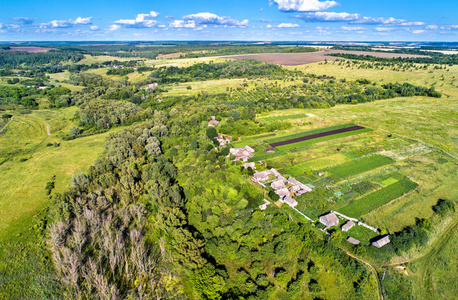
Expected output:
{"points": [[373, 270], [6, 125]]}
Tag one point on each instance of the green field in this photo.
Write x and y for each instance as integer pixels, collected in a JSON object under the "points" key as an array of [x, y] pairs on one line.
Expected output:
{"points": [[359, 166], [321, 139], [317, 164], [285, 117], [373, 201], [305, 133]]}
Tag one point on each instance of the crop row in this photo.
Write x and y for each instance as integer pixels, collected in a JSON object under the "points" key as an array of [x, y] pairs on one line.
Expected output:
{"points": [[358, 166]]}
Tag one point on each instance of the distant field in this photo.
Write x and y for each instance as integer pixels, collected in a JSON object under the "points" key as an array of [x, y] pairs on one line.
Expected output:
{"points": [[295, 59], [30, 49], [358, 166], [372, 201], [285, 117]]}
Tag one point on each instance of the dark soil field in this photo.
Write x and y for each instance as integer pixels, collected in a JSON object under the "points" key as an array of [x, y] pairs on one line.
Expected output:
{"points": [[317, 135], [295, 59], [31, 49]]}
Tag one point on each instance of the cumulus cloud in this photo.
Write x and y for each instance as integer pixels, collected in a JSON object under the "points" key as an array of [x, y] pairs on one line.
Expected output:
{"points": [[322, 16], [140, 21], [432, 27], [287, 25], [203, 19], [24, 20], [94, 27], [304, 5], [346, 28], [66, 23], [114, 27]]}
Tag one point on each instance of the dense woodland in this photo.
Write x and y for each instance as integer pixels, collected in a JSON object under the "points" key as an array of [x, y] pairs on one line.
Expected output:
{"points": [[164, 213]]}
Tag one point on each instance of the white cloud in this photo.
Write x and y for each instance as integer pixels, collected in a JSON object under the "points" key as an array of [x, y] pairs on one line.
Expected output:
{"points": [[418, 31], [66, 23], [140, 21], [287, 25], [201, 20], [432, 27], [412, 23], [114, 27], [352, 28], [383, 29], [323, 16], [94, 27], [304, 5]]}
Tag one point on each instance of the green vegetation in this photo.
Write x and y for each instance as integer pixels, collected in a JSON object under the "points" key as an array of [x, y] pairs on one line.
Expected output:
{"points": [[378, 198], [285, 117], [359, 166], [321, 139], [310, 132]]}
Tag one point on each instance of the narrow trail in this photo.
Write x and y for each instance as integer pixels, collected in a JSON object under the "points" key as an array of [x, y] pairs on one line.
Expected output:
{"points": [[6, 125], [373, 270]]}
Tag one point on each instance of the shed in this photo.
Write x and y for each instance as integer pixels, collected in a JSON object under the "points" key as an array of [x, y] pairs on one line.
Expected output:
{"points": [[282, 192], [381, 242], [276, 185], [348, 225], [353, 241], [290, 201], [249, 165], [329, 219]]}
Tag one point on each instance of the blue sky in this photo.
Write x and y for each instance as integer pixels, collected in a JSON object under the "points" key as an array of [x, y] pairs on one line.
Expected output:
{"points": [[259, 20]]}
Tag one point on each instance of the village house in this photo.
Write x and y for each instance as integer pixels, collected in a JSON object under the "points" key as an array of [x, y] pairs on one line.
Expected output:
{"points": [[349, 224], [242, 154], [42, 87], [213, 121], [222, 140], [353, 241], [275, 173], [290, 201], [249, 165], [282, 192], [261, 176], [278, 184], [381, 242], [151, 86], [329, 220]]}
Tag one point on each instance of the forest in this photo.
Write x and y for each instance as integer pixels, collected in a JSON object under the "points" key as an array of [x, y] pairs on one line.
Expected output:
{"points": [[165, 212]]}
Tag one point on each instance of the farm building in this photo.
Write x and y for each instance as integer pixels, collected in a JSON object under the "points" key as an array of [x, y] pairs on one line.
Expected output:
{"points": [[249, 165], [275, 172], [282, 192], [243, 153], [222, 140], [290, 201], [353, 241], [276, 185], [264, 205], [213, 121], [381, 242], [260, 176], [348, 225], [329, 220]]}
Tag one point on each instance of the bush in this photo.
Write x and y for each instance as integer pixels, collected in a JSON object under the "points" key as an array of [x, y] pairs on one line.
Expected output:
{"points": [[443, 206]]}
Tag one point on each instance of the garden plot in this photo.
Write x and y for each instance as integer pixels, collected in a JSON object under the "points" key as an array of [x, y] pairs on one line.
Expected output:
{"points": [[376, 199], [358, 166]]}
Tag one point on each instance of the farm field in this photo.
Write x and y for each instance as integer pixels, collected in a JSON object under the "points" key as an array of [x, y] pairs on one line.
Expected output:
{"points": [[316, 164], [296, 59], [283, 117], [359, 166], [373, 201]]}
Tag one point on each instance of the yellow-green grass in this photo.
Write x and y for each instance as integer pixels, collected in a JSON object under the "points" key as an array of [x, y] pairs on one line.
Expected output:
{"points": [[317, 164], [427, 77], [359, 166], [31, 164], [89, 59], [57, 78], [210, 86]]}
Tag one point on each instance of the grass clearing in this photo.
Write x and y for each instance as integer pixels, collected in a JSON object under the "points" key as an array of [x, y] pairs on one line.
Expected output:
{"points": [[285, 117], [317, 164], [359, 166], [374, 200]]}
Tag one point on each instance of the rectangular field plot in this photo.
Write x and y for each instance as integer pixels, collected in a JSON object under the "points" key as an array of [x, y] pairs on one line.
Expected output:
{"points": [[372, 201], [286, 117], [323, 138], [317, 164], [306, 133], [358, 166]]}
